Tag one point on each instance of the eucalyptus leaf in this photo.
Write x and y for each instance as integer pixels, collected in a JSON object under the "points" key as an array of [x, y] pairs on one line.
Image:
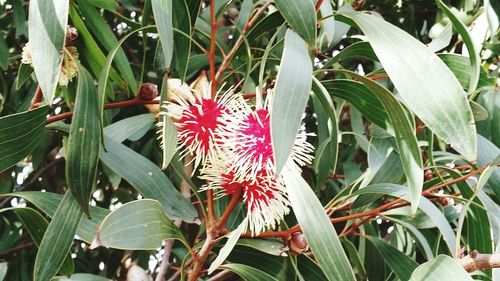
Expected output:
{"points": [[163, 13], [47, 30], [301, 16], [440, 266], [248, 273]]}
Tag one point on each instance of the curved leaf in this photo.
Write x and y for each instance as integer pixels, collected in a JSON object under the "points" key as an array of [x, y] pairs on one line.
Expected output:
{"points": [[290, 97], [406, 140], [137, 225], [58, 239], [163, 13], [440, 103], [301, 16], [248, 273], [148, 179], [47, 30], [317, 228], [439, 267], [82, 150], [401, 264], [19, 135]]}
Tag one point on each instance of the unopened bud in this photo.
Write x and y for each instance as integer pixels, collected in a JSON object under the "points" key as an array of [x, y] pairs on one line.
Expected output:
{"points": [[298, 243], [71, 35], [148, 91]]}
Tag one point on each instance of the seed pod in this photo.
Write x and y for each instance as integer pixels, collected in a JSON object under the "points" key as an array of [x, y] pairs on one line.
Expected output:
{"points": [[298, 243], [148, 91]]}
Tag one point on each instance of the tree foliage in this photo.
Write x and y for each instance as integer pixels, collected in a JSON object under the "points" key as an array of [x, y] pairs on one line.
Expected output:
{"points": [[249, 140]]}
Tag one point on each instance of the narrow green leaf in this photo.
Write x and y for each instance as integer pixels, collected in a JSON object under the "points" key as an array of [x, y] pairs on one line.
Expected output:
{"points": [[137, 225], [168, 137], [490, 128], [434, 214], [438, 268], [358, 49], [401, 264], [406, 140], [47, 30], [442, 40], [4, 53], [460, 66], [269, 246], [103, 77], [290, 97], [81, 276], [327, 32], [48, 202], [23, 74], [359, 96], [440, 103], [163, 13], [3, 270], [317, 227], [418, 236], [125, 128], [301, 16], [19, 135], [475, 60], [82, 151], [58, 239], [101, 30], [148, 179], [111, 5], [228, 247], [181, 20], [36, 225], [248, 273]]}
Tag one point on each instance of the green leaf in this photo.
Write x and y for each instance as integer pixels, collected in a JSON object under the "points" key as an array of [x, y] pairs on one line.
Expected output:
{"points": [[137, 225], [58, 239], [103, 77], [248, 273], [317, 227], [439, 267], [462, 69], [181, 20], [434, 214], [163, 13], [4, 53], [301, 16], [47, 30], [82, 150], [36, 225], [358, 49], [475, 61], [359, 96], [168, 137], [148, 179], [406, 140], [48, 202], [490, 128], [125, 128], [111, 5], [487, 152], [23, 74], [19, 135], [269, 246], [228, 247], [3, 270], [81, 277], [418, 236], [401, 264], [290, 97], [103, 33], [440, 103], [309, 269]]}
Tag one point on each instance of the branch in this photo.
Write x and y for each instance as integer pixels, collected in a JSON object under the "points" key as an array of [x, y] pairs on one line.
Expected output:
{"points": [[211, 54], [475, 261], [239, 41]]}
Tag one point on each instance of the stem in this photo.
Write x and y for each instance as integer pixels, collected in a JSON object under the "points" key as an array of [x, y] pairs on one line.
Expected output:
{"points": [[475, 261], [211, 55], [229, 209], [227, 58], [318, 5], [37, 98], [119, 104]]}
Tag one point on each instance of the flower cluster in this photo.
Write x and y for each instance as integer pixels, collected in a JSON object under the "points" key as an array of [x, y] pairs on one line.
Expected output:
{"points": [[232, 143]]}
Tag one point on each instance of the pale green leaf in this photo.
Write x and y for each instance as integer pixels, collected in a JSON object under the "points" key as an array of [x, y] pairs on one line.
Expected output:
{"points": [[438, 268], [290, 97], [301, 16], [249, 273], [163, 13], [82, 149], [19, 135], [440, 103], [47, 30], [317, 227], [137, 225], [401, 264], [228, 247]]}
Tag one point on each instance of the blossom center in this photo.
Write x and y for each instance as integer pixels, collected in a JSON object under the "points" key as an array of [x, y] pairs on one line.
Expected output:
{"points": [[257, 135]]}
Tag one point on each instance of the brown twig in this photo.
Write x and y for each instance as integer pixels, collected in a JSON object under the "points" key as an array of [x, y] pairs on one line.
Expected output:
{"points": [[229, 209], [227, 58], [37, 98], [474, 261], [318, 5]]}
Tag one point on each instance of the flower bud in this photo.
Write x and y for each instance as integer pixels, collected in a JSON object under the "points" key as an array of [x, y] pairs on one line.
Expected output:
{"points": [[148, 91], [298, 243]]}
